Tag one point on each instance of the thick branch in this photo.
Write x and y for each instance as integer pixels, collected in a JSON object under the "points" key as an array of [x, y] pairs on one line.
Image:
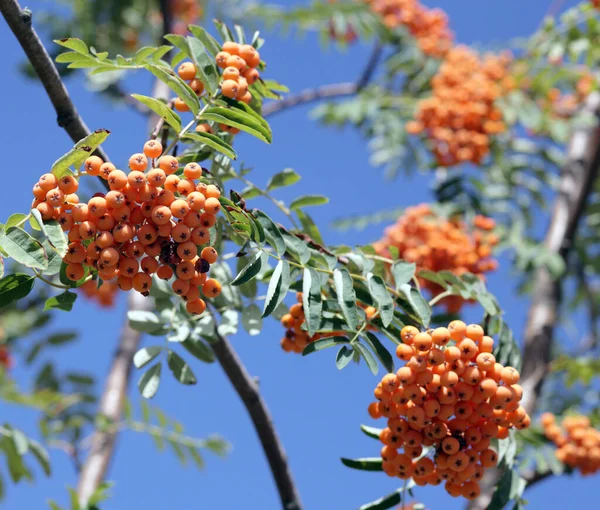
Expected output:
{"points": [[576, 184], [19, 21], [247, 388], [111, 404], [328, 91]]}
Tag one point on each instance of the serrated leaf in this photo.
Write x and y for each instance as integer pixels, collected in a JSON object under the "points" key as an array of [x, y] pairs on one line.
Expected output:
{"points": [[418, 303], [150, 381], [368, 357], [214, 142], [161, 109], [14, 287], [238, 119], [252, 319], [380, 351], [343, 357], [311, 299], [64, 301], [56, 237], [278, 287], [272, 233], [281, 179], [324, 343], [308, 200], [210, 43], [309, 226], [177, 85], [79, 153], [144, 321], [383, 301], [145, 355], [205, 65], [197, 348], [296, 247], [250, 271], [180, 369], [364, 464], [23, 248], [403, 272], [73, 43], [344, 288]]}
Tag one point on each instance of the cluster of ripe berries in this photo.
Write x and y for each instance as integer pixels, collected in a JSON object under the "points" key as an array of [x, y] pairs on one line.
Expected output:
{"points": [[564, 105], [239, 63], [438, 244], [296, 338], [578, 443], [104, 295], [460, 117], [147, 223], [429, 27], [452, 396]]}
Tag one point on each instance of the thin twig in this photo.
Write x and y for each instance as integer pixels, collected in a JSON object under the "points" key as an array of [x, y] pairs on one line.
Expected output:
{"points": [[248, 391], [20, 22]]}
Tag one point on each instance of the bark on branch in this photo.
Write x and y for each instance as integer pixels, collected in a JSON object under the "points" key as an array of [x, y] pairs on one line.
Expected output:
{"points": [[111, 404], [20, 22], [248, 391], [576, 184]]}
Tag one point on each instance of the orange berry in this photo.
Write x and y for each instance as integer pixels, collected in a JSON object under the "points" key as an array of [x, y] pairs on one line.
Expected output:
{"points": [[192, 171], [196, 307], [92, 165], [187, 71], [211, 288], [408, 334], [222, 58], [153, 148], [168, 164], [74, 272], [180, 105], [138, 162]]}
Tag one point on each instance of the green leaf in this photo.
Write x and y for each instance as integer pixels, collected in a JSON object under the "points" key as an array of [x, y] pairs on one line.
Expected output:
{"points": [[23, 248], [64, 301], [250, 271], [145, 355], [344, 287], [181, 370], [197, 348], [161, 109], [278, 287], [272, 233], [371, 431], [380, 351], [403, 272], [61, 338], [210, 43], [214, 142], [79, 153], [252, 319], [284, 178], [343, 357], [238, 119], [177, 85], [205, 65], [382, 298], [14, 219], [74, 44], [324, 343], [40, 453], [146, 322], [417, 303], [56, 237], [369, 358], [308, 200], [364, 464], [311, 299], [309, 226], [296, 246], [229, 323], [385, 502], [150, 380], [14, 287], [223, 30]]}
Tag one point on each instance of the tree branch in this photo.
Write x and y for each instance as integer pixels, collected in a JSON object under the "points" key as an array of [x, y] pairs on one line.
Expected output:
{"points": [[328, 91], [576, 184], [111, 404], [248, 391], [19, 21]]}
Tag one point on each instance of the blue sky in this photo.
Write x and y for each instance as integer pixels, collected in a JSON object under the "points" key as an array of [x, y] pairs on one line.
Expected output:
{"points": [[316, 409]]}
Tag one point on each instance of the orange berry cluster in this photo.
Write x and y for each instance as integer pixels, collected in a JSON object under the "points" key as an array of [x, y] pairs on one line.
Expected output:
{"points": [[239, 63], [428, 26], [104, 295], [149, 222], [577, 441], [460, 117], [296, 338], [185, 12], [563, 105], [450, 395], [438, 244]]}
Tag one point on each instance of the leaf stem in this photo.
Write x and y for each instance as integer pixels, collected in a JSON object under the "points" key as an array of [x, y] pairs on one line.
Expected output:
{"points": [[441, 296], [49, 282]]}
